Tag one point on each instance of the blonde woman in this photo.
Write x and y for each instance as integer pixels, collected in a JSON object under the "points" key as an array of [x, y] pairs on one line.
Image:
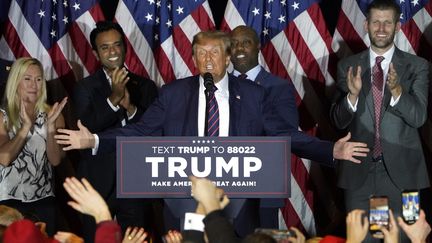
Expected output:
{"points": [[27, 147]]}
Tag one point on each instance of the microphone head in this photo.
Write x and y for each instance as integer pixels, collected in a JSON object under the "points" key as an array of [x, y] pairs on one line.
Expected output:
{"points": [[208, 81]]}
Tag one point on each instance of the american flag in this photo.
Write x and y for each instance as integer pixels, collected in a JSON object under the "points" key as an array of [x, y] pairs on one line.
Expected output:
{"points": [[295, 44], [159, 36], [54, 31], [350, 36]]}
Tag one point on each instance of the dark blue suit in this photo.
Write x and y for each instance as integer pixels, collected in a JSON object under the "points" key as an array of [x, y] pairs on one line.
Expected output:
{"points": [[91, 106], [281, 95], [175, 113]]}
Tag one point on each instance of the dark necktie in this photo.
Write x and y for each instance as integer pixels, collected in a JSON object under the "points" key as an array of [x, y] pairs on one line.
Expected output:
{"points": [[213, 114], [243, 76], [377, 89]]}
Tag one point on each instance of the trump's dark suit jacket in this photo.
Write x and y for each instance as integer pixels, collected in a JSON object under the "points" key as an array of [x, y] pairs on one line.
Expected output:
{"points": [[91, 106], [401, 146]]}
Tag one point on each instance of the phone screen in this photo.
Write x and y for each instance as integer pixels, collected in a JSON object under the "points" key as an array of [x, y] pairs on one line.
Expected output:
{"points": [[378, 214], [410, 206]]}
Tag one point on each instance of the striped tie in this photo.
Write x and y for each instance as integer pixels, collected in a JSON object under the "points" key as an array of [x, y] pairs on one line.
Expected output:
{"points": [[213, 114], [377, 89]]}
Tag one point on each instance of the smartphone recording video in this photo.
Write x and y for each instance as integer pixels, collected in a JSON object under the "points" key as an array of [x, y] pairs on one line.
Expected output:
{"points": [[410, 206], [378, 214]]}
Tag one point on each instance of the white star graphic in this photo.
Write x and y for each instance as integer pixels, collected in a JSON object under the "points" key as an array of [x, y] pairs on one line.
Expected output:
{"points": [[53, 33], [270, 1], [41, 13], [402, 1], [149, 17], [156, 37], [54, 17], [76, 6], [157, 20], [281, 18], [169, 23], [54, 2], [415, 2], [283, 2], [169, 6], [295, 5], [255, 11], [267, 15], [158, 4], [179, 10], [151, 2], [401, 16], [65, 3], [265, 31], [65, 20]]}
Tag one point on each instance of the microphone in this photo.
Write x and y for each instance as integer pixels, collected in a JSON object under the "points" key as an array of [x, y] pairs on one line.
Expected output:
{"points": [[208, 81]]}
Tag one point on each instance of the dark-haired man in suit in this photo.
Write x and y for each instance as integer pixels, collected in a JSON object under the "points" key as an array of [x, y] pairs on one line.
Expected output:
{"points": [[382, 101], [111, 97]]}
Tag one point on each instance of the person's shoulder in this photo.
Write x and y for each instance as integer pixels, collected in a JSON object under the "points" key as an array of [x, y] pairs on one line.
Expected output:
{"points": [[140, 80], [411, 58], [246, 86], [272, 78], [181, 84], [355, 57], [90, 80]]}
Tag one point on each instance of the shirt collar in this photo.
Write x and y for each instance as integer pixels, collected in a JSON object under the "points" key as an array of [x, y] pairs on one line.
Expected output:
{"points": [[387, 56], [251, 74], [222, 85]]}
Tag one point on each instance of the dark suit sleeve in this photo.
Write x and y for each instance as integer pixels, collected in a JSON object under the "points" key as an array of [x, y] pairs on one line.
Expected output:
{"points": [[412, 105], [283, 112], [340, 113], [150, 124], [142, 94], [92, 108], [219, 229]]}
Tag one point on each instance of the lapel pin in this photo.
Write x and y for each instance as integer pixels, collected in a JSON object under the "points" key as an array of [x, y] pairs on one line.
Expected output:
{"points": [[8, 68], [238, 97]]}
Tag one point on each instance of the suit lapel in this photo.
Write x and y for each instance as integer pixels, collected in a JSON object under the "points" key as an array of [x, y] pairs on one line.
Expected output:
{"points": [[190, 126], [399, 65], [104, 86], [234, 105], [367, 82]]}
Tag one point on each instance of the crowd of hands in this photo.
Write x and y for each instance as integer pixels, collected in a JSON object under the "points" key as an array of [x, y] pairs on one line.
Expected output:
{"points": [[86, 200]]}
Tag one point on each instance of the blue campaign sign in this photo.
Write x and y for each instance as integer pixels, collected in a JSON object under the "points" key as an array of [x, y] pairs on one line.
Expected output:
{"points": [[245, 167]]}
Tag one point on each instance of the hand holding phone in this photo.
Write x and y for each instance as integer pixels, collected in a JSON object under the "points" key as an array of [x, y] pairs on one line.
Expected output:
{"points": [[410, 206], [378, 214]]}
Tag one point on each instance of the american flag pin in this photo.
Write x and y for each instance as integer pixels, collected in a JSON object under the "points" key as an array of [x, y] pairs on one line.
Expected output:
{"points": [[8, 68], [238, 97]]}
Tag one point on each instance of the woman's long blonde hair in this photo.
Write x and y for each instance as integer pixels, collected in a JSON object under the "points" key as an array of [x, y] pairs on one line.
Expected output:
{"points": [[11, 101]]}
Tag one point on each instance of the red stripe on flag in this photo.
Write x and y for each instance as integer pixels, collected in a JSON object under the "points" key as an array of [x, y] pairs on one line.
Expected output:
{"points": [[133, 62], [202, 18], [97, 13], [291, 217], [180, 41], [164, 65], [83, 48], [349, 35], [320, 23], [62, 68], [303, 53], [14, 41]]}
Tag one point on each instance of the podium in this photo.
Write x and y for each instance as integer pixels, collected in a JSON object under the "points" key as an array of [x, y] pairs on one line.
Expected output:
{"points": [[245, 167]]}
